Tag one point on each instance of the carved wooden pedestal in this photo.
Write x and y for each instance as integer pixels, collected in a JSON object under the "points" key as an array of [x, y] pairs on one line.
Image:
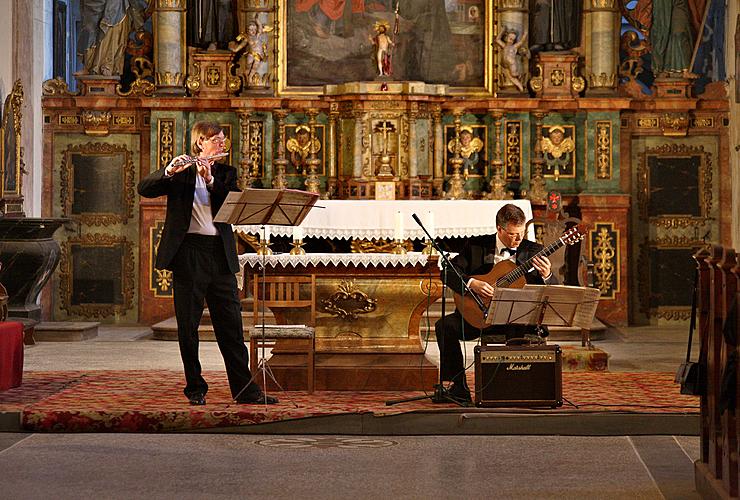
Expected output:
{"points": [[557, 75], [210, 75]]}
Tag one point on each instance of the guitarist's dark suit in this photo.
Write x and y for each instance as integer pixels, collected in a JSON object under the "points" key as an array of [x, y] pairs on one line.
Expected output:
{"points": [[477, 258], [203, 268]]}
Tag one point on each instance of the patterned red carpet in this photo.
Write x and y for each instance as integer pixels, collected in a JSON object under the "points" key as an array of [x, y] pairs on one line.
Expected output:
{"points": [[152, 401]]}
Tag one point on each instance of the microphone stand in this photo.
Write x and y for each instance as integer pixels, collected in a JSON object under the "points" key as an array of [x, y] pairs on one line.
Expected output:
{"points": [[440, 394]]}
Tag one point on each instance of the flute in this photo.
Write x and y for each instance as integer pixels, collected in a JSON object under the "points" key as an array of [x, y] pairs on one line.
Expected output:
{"points": [[192, 159]]}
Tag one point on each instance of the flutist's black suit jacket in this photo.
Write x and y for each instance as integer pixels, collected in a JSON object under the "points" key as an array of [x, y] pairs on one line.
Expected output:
{"points": [[180, 190], [476, 258]]}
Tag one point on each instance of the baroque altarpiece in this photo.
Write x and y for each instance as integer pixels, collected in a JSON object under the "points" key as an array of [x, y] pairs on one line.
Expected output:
{"points": [[418, 99]]}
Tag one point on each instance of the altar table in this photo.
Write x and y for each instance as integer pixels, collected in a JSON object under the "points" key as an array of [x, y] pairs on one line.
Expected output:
{"points": [[368, 311]]}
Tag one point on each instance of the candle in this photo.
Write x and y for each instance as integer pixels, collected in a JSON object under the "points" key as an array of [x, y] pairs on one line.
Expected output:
{"points": [[430, 224], [297, 233], [398, 233], [266, 233]]}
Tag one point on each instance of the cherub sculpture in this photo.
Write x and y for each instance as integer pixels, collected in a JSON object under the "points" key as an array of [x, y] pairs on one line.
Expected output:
{"points": [[253, 64], [470, 146], [300, 148], [513, 53]]}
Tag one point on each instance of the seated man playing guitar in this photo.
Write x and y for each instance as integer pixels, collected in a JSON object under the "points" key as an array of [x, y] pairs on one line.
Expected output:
{"points": [[479, 263]]}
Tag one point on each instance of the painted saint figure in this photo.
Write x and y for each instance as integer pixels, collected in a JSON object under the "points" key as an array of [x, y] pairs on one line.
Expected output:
{"points": [[512, 54], [383, 46]]}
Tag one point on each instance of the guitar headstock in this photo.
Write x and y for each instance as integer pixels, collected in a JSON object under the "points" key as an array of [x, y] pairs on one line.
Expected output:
{"points": [[573, 235]]}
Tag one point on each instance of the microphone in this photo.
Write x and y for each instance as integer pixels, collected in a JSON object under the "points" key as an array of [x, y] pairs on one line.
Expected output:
{"points": [[416, 218]]}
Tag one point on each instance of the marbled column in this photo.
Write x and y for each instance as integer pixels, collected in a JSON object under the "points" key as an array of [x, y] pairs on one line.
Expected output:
{"points": [[169, 50], [413, 147], [359, 126], [439, 143], [332, 148], [602, 77]]}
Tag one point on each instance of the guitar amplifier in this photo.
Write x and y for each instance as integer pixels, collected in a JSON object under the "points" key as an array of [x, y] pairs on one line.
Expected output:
{"points": [[518, 376]]}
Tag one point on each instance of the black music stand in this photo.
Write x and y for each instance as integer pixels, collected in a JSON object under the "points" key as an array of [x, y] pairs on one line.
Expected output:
{"points": [[440, 394], [265, 207]]}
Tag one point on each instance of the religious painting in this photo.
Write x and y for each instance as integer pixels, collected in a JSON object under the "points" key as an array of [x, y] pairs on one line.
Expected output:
{"points": [[473, 151], [559, 151], [299, 149], [11, 145], [324, 42]]}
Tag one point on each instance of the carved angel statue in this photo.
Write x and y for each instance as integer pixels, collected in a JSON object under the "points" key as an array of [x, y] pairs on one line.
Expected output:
{"points": [[513, 53], [470, 146], [300, 148], [253, 63]]}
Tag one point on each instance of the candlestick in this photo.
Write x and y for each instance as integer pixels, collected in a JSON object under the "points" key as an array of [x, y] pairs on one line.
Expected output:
{"points": [[398, 233], [430, 224]]}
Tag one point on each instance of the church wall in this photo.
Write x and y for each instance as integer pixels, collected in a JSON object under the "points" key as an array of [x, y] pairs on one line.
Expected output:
{"points": [[6, 40]]}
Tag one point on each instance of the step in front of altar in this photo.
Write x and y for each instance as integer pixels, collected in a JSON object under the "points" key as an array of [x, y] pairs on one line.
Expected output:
{"points": [[355, 372]]}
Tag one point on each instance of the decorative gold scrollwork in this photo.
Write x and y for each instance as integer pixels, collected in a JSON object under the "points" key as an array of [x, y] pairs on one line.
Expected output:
{"points": [[378, 246], [348, 302], [603, 150], [604, 257]]}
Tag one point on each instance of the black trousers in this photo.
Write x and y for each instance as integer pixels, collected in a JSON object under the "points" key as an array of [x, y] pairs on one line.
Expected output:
{"points": [[200, 273], [451, 329]]}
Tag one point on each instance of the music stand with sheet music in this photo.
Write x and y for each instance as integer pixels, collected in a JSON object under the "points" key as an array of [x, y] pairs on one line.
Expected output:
{"points": [[544, 305], [265, 207]]}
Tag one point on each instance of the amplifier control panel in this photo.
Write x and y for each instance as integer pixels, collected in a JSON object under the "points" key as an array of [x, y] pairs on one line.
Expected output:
{"points": [[517, 357]]}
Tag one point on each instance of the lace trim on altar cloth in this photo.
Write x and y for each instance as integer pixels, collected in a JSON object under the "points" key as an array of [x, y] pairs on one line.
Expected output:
{"points": [[335, 259]]}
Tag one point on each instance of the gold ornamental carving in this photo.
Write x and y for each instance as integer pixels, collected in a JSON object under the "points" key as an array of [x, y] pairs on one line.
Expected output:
{"points": [[348, 302], [378, 246], [603, 150], [577, 83], [168, 79], [91, 309], [513, 150], [602, 80], [165, 141], [177, 5], [536, 82], [704, 122], [143, 69], [604, 257], [603, 4], [56, 87], [193, 81], [674, 124], [96, 122], [650, 122], [160, 281], [70, 120]]}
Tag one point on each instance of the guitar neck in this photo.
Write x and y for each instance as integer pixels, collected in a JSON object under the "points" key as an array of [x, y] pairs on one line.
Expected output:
{"points": [[522, 269]]}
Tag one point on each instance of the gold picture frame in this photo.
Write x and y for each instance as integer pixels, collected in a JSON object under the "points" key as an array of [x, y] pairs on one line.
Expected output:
{"points": [[474, 20]]}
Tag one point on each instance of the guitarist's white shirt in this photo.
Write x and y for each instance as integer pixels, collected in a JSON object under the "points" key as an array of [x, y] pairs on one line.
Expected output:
{"points": [[498, 256]]}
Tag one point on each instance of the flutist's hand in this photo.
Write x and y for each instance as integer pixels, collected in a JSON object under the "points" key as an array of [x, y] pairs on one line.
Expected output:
{"points": [[177, 165], [204, 169]]}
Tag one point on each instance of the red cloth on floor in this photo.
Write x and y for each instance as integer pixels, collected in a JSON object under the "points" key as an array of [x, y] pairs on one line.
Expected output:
{"points": [[11, 354]]}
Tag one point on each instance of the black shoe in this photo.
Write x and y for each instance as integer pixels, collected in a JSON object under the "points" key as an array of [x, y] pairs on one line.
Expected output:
{"points": [[459, 393], [197, 399], [259, 398]]}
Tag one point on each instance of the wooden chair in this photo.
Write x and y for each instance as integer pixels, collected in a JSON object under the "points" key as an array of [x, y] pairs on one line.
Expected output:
{"points": [[282, 293]]}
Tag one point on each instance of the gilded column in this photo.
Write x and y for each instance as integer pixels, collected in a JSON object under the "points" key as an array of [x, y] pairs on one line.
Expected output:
{"points": [[602, 76], [245, 179], [331, 149], [169, 47], [280, 161]]}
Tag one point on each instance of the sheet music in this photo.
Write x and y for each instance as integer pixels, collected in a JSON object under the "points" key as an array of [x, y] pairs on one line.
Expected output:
{"points": [[518, 306], [568, 305], [277, 207]]}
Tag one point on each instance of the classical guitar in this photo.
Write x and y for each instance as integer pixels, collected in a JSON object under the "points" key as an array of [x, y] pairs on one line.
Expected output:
{"points": [[508, 275]]}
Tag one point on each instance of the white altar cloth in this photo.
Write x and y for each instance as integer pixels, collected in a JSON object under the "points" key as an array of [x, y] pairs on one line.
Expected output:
{"points": [[345, 219], [334, 259]]}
